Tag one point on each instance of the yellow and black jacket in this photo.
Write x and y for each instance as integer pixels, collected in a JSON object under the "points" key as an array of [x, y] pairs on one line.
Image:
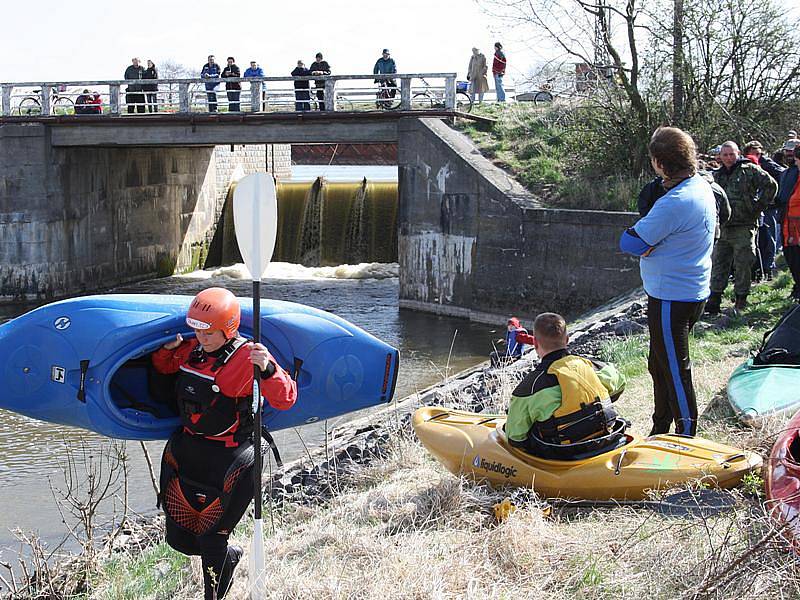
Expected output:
{"points": [[564, 401]]}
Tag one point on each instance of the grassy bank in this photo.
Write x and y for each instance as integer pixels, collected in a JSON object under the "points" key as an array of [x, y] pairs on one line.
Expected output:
{"points": [[546, 150], [403, 527]]}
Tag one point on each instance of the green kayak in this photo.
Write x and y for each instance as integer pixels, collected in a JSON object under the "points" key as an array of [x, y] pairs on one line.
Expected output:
{"points": [[758, 391]]}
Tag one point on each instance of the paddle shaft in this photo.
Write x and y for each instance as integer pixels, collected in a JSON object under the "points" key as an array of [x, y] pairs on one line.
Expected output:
{"points": [[257, 401]]}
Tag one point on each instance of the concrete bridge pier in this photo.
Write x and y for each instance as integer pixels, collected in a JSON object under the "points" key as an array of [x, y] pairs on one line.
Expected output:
{"points": [[78, 219]]}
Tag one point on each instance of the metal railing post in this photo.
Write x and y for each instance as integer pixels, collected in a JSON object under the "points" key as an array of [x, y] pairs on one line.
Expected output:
{"points": [[330, 94], [7, 99], [113, 98], [255, 96], [183, 98], [45, 98], [405, 93], [450, 92]]}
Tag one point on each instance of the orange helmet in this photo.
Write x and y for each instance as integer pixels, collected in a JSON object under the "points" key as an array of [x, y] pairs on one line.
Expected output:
{"points": [[215, 309]]}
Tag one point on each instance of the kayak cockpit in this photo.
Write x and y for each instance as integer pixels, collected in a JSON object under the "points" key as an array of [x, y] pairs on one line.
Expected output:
{"points": [[138, 391]]}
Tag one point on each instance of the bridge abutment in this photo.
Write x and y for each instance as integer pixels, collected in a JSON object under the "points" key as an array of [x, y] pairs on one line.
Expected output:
{"points": [[80, 219], [474, 243]]}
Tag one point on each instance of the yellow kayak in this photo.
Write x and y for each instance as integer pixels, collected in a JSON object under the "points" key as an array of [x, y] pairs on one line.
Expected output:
{"points": [[475, 445]]}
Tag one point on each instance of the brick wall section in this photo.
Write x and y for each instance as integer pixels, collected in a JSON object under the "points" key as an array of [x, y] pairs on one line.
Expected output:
{"points": [[474, 243], [77, 220]]}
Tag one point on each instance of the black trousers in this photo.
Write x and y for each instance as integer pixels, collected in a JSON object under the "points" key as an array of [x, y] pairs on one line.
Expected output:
{"points": [[320, 99], [206, 463], [792, 256], [670, 323], [152, 102], [135, 102], [212, 101], [233, 100]]}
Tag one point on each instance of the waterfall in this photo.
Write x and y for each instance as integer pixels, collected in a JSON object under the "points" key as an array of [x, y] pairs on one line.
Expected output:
{"points": [[323, 223]]}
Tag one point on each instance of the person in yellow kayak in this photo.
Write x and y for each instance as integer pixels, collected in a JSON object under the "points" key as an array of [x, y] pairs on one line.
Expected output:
{"points": [[562, 409]]}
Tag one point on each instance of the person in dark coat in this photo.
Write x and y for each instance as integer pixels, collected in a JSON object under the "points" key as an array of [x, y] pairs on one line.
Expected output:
{"points": [[82, 103], [768, 238], [320, 67], [151, 89], [134, 97], [211, 70], [233, 87], [302, 95]]}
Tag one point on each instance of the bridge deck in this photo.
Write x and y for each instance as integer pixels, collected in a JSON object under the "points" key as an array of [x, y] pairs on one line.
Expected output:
{"points": [[219, 129]]}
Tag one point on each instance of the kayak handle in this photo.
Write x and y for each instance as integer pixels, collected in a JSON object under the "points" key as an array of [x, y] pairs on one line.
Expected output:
{"points": [[619, 461], [82, 384], [726, 462]]}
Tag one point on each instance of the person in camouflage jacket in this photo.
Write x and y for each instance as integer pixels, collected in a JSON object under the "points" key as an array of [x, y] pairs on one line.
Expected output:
{"points": [[750, 190]]}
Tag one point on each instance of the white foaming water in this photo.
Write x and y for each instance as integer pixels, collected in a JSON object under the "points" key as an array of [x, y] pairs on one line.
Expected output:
{"points": [[282, 270]]}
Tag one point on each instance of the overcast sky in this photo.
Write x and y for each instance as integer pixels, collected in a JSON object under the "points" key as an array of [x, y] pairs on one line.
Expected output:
{"points": [[62, 40]]}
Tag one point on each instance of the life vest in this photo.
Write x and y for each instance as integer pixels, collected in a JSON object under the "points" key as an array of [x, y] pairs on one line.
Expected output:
{"points": [[203, 409], [585, 412]]}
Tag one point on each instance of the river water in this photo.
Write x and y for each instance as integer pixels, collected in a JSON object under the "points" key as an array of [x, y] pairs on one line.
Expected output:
{"points": [[33, 454]]}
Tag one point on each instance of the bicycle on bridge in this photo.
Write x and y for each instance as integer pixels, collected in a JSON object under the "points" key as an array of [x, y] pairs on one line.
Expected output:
{"points": [[31, 104]]}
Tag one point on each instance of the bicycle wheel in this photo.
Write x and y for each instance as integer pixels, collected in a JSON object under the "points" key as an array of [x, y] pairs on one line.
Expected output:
{"points": [[422, 101], [543, 98], [463, 102], [343, 104], [29, 105], [63, 106]]}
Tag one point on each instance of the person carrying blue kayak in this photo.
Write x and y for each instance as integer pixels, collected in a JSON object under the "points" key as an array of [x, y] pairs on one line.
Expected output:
{"points": [[674, 242], [207, 465], [516, 339], [562, 408]]}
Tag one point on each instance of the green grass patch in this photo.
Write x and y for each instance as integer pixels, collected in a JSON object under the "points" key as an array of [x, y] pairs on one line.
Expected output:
{"points": [[545, 149], [158, 572]]}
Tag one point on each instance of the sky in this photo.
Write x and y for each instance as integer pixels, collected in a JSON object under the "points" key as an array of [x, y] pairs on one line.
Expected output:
{"points": [[88, 41]]}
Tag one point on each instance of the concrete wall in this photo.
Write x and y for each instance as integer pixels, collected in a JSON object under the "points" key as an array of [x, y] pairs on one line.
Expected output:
{"points": [[474, 243], [77, 219]]}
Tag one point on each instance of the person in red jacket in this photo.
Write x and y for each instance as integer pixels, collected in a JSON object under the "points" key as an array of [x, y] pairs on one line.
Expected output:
{"points": [[207, 465], [517, 337], [499, 71]]}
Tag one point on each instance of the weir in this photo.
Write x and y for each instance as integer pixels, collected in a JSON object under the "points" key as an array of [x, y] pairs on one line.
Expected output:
{"points": [[323, 223]]}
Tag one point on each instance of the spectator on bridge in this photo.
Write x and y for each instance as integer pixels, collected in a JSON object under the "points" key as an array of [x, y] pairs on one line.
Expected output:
{"points": [[254, 70], [320, 67], [134, 97], [476, 75], [385, 65], [211, 70], [151, 89], [302, 95], [499, 71], [233, 87], [82, 103], [96, 103]]}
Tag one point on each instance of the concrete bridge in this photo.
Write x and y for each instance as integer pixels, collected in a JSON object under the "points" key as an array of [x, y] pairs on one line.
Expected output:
{"points": [[89, 201]]}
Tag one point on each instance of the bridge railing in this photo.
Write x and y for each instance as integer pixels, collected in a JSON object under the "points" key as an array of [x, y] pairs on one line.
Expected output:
{"points": [[404, 91]]}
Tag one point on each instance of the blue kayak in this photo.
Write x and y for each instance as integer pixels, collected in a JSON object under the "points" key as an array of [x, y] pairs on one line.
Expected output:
{"points": [[86, 362]]}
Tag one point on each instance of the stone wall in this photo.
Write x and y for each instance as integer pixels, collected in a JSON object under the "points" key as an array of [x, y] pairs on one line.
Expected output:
{"points": [[474, 243], [76, 220]]}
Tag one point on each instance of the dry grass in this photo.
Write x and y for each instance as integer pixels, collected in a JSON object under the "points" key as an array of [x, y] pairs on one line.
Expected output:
{"points": [[404, 528]]}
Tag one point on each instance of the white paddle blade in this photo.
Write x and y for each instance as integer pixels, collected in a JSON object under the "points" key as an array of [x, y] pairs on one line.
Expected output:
{"points": [[258, 585], [255, 217]]}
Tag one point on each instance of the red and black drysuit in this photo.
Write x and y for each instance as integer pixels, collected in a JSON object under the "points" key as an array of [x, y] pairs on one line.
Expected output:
{"points": [[207, 466]]}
